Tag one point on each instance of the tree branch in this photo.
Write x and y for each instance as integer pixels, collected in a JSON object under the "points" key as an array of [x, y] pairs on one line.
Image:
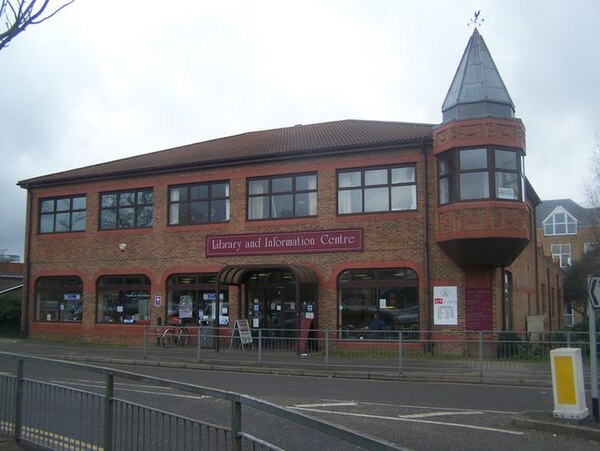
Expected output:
{"points": [[17, 15]]}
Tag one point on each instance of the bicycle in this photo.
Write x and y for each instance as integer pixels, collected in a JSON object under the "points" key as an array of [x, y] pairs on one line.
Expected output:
{"points": [[175, 335]]}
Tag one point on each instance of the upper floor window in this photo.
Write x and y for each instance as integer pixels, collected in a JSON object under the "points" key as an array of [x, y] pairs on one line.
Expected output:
{"points": [[289, 196], [126, 209], [560, 222], [371, 190], [199, 204], [483, 173], [64, 214], [562, 254]]}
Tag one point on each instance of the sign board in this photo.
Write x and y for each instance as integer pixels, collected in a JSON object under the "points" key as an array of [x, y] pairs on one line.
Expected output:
{"points": [[594, 291], [301, 242], [445, 306], [242, 328]]}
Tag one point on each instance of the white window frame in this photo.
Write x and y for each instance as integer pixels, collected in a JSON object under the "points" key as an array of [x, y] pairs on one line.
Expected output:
{"points": [[550, 223], [562, 253]]}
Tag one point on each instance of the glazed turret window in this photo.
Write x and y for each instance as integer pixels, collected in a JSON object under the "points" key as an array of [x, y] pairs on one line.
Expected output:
{"points": [[480, 173]]}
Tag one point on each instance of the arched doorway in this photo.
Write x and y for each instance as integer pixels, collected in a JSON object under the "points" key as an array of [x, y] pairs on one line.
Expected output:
{"points": [[278, 299]]}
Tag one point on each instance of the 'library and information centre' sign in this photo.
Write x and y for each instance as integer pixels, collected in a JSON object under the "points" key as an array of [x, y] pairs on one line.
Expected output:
{"points": [[343, 240]]}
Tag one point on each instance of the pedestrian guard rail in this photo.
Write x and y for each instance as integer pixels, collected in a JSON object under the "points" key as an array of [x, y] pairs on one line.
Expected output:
{"points": [[61, 417], [476, 353]]}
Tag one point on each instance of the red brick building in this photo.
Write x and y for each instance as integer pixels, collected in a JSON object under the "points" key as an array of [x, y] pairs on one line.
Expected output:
{"points": [[416, 226]]}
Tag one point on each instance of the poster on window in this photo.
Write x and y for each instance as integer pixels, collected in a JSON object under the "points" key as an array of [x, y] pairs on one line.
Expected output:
{"points": [[445, 306], [186, 306]]}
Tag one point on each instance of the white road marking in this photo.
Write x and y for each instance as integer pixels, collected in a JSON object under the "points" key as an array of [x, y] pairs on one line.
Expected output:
{"points": [[440, 414], [126, 387], [411, 420], [327, 404]]}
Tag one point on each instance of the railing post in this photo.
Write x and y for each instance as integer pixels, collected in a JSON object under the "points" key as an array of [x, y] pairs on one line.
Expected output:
{"points": [[326, 349], [259, 347], [199, 344], [236, 425], [18, 400], [145, 337], [480, 354], [108, 412], [400, 351], [568, 339]]}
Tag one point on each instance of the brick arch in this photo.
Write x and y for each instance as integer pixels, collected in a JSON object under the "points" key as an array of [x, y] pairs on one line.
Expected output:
{"points": [[331, 282]]}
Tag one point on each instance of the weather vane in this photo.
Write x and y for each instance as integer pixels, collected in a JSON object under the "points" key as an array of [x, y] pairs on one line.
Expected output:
{"points": [[476, 21]]}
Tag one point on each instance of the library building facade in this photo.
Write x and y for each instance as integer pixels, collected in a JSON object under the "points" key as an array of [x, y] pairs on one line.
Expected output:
{"points": [[422, 227]]}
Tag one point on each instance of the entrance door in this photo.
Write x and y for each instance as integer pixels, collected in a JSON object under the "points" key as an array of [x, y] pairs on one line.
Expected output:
{"points": [[272, 308], [271, 302]]}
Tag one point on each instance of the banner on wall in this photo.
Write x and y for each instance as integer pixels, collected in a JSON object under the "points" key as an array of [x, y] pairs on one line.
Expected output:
{"points": [[445, 306]]}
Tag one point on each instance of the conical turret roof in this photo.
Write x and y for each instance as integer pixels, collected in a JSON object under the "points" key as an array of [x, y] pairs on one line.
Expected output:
{"points": [[477, 88]]}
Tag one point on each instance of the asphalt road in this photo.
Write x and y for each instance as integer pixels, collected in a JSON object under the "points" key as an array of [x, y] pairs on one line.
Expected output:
{"points": [[421, 416]]}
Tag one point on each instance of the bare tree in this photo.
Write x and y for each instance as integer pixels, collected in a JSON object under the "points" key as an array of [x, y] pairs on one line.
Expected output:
{"points": [[592, 184], [17, 15]]}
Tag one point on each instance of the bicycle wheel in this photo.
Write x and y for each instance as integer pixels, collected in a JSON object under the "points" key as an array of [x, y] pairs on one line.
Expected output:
{"points": [[168, 338], [184, 337]]}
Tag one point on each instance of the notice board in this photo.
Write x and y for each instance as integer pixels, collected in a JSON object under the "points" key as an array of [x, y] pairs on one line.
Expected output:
{"points": [[479, 309]]}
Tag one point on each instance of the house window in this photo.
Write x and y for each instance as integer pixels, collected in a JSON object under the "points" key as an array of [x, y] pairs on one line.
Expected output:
{"points": [[289, 196], [199, 204], [372, 303], [377, 190], [63, 214], [59, 299], [560, 222], [126, 209], [123, 299], [562, 254], [589, 247], [482, 173]]}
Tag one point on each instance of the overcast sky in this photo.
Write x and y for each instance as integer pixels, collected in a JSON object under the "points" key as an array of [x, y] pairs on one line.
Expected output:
{"points": [[110, 79]]}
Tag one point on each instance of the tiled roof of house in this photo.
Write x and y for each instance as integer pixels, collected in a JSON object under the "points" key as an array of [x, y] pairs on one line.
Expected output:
{"points": [[276, 143]]}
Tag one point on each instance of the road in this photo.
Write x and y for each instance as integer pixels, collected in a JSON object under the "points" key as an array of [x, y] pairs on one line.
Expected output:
{"points": [[421, 416]]}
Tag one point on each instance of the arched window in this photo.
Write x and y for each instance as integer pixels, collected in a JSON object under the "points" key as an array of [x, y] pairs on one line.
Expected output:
{"points": [[386, 299], [123, 299], [59, 299]]}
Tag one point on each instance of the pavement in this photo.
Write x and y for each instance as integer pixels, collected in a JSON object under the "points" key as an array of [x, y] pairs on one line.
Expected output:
{"points": [[101, 355]]}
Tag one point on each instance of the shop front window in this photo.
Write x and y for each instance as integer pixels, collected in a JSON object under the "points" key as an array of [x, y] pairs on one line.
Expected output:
{"points": [[375, 303], [59, 299], [192, 300], [123, 300]]}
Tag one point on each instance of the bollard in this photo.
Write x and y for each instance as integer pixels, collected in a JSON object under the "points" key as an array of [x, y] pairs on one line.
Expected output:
{"points": [[567, 384]]}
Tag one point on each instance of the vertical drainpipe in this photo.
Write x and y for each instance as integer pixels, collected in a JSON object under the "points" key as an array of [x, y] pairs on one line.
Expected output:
{"points": [[25, 301], [533, 220], [428, 307]]}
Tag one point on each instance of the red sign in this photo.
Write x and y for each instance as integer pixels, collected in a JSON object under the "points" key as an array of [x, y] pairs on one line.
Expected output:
{"points": [[479, 309], [345, 240]]}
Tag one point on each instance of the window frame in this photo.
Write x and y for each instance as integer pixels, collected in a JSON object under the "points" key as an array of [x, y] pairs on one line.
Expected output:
{"points": [[270, 194], [563, 255], [59, 287], [117, 293], [71, 211], [136, 206], [553, 223], [187, 203], [389, 185], [450, 175]]}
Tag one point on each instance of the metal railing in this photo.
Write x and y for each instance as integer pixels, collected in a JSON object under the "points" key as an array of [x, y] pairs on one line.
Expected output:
{"points": [[474, 353], [58, 416]]}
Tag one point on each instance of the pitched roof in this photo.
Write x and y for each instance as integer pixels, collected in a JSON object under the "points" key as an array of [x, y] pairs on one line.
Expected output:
{"points": [[278, 143], [584, 216], [477, 88]]}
